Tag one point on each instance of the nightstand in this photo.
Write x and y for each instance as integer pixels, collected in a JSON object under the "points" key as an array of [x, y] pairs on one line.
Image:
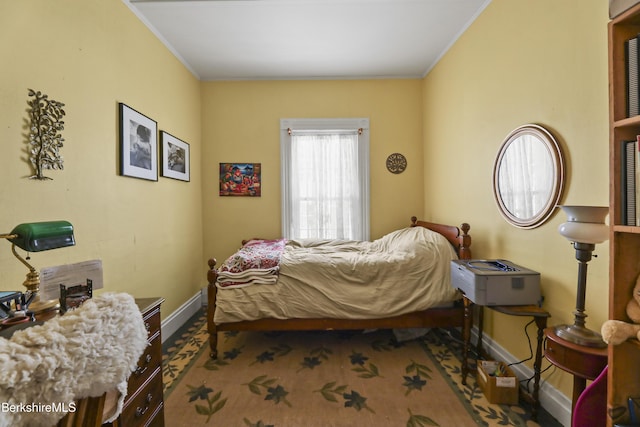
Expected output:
{"points": [[585, 363]]}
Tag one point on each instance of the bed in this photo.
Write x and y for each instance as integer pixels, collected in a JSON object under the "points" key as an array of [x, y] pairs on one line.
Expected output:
{"points": [[240, 307]]}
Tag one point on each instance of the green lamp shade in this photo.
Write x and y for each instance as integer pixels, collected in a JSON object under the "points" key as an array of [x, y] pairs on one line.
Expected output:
{"points": [[42, 236]]}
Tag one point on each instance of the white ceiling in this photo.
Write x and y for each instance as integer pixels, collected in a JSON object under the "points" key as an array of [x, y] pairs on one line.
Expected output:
{"points": [[308, 39]]}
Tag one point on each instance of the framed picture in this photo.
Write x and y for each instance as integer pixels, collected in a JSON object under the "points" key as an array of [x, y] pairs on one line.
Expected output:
{"points": [[175, 157], [240, 179], [138, 144]]}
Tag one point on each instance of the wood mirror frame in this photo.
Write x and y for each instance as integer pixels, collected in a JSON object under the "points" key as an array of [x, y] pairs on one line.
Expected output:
{"points": [[528, 176]]}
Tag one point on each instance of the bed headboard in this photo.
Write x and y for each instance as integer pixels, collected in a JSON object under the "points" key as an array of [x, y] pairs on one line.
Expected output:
{"points": [[458, 236]]}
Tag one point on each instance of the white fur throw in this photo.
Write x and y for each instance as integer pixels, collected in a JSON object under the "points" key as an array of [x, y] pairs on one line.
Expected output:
{"points": [[86, 352]]}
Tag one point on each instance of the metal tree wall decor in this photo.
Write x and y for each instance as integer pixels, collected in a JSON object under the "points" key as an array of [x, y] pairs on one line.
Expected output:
{"points": [[45, 137]]}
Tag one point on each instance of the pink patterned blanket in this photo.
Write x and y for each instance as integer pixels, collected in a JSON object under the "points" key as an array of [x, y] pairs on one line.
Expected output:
{"points": [[257, 262]]}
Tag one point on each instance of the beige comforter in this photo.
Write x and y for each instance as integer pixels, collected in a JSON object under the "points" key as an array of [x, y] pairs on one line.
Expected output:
{"points": [[407, 270]]}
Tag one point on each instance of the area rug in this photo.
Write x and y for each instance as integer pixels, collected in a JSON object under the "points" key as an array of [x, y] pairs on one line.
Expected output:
{"points": [[322, 379]]}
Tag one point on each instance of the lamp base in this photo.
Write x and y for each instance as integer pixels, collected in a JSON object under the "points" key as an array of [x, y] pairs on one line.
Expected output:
{"points": [[38, 306], [580, 335]]}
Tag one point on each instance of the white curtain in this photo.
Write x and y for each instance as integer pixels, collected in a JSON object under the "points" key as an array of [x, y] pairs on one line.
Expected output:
{"points": [[326, 199]]}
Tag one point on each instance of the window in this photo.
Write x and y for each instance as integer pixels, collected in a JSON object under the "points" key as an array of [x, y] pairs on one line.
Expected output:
{"points": [[325, 178]]}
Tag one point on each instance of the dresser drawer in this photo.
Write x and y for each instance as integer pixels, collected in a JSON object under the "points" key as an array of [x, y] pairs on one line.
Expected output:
{"points": [[144, 405], [152, 321], [147, 364]]}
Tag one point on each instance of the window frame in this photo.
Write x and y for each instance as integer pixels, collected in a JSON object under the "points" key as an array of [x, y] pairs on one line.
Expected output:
{"points": [[324, 124]]}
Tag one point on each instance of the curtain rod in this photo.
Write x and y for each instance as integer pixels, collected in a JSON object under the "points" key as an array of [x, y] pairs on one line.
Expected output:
{"points": [[290, 131]]}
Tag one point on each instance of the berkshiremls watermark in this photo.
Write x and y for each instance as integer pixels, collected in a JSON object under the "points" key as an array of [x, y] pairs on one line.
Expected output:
{"points": [[37, 407]]}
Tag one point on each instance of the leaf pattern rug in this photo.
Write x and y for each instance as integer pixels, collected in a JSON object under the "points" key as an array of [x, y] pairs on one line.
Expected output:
{"points": [[323, 379]]}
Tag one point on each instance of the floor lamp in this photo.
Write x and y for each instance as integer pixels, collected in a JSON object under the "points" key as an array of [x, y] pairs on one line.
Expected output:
{"points": [[585, 228]]}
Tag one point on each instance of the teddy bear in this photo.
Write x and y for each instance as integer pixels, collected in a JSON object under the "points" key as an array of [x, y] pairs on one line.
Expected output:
{"points": [[616, 331]]}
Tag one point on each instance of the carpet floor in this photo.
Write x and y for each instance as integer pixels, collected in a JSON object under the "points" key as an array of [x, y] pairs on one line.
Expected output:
{"points": [[323, 379]]}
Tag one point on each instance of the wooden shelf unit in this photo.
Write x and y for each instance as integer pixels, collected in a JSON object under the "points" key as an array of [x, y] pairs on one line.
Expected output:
{"points": [[624, 244]]}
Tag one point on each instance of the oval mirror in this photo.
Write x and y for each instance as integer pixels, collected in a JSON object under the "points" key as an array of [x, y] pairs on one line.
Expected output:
{"points": [[528, 176]]}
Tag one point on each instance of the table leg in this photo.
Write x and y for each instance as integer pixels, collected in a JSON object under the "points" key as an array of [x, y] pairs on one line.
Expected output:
{"points": [[466, 337], [579, 384], [541, 323]]}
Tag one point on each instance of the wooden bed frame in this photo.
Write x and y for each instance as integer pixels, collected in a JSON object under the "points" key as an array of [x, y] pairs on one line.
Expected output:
{"points": [[458, 315]]}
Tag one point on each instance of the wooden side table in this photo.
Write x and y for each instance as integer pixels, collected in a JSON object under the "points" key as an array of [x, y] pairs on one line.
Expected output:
{"points": [[540, 317], [584, 363]]}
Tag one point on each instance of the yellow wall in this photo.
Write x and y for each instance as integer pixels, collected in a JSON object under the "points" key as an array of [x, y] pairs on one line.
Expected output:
{"points": [[527, 61], [545, 62], [92, 55], [241, 123]]}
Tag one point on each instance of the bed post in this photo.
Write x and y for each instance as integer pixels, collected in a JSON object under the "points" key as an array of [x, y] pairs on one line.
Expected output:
{"points": [[212, 275], [464, 252], [465, 242]]}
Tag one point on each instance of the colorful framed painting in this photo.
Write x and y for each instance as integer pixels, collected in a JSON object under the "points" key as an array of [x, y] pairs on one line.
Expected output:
{"points": [[175, 157], [240, 179], [138, 144]]}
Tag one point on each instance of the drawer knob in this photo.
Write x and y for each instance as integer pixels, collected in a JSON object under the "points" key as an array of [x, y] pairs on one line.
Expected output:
{"points": [[140, 369], [141, 411]]}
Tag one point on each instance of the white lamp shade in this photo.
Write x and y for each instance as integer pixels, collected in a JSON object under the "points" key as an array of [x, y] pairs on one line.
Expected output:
{"points": [[585, 224]]}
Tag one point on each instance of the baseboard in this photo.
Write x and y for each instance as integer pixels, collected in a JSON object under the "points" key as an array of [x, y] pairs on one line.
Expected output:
{"points": [[551, 399], [179, 317]]}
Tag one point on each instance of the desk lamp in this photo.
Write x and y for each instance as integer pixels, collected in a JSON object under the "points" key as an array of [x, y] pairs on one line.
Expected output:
{"points": [[36, 237], [585, 228]]}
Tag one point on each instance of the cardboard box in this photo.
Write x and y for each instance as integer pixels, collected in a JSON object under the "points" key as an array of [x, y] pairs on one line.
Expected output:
{"points": [[502, 388]]}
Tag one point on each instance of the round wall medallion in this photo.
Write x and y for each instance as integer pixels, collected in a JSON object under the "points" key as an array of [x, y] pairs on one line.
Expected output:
{"points": [[396, 163]]}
